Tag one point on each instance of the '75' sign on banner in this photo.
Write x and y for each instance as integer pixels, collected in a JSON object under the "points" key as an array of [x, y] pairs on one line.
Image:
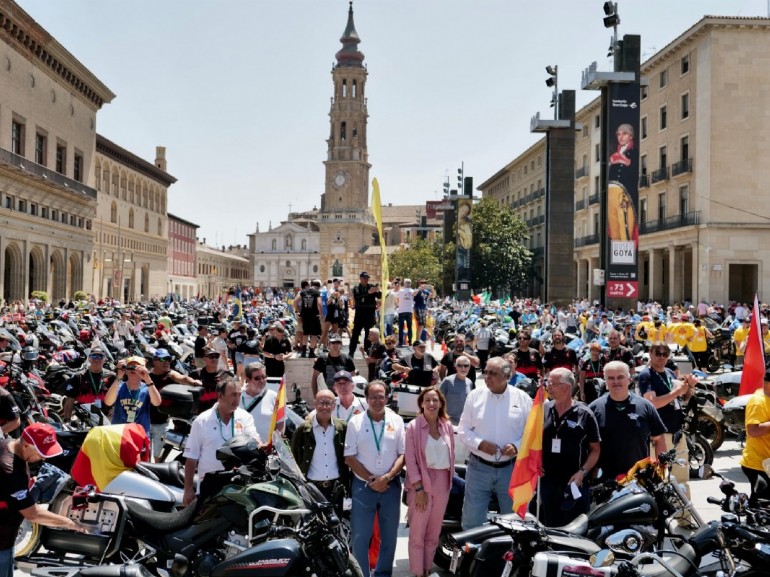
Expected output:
{"points": [[623, 289]]}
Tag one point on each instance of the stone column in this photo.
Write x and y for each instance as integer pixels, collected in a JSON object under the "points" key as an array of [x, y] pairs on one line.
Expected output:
{"points": [[2, 268], [674, 284], [581, 281], [694, 274], [25, 272], [652, 277]]}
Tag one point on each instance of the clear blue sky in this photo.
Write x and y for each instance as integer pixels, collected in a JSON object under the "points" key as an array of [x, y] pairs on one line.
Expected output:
{"points": [[239, 90]]}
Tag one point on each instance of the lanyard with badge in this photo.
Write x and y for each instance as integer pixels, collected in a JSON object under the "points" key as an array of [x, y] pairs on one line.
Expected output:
{"points": [[377, 440], [350, 414], [558, 424], [667, 382], [232, 426]]}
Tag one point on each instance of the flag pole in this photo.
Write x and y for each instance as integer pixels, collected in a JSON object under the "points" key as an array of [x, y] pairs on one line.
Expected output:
{"points": [[537, 503]]}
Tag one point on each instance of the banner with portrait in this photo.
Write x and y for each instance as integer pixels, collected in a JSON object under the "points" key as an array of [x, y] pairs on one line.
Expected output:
{"points": [[464, 242], [622, 200]]}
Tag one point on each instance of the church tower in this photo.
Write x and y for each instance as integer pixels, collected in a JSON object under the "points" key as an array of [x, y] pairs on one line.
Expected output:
{"points": [[345, 221]]}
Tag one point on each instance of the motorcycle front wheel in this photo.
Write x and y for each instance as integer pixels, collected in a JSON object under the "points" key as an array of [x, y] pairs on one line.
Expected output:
{"points": [[443, 556], [700, 454], [711, 429], [27, 539]]}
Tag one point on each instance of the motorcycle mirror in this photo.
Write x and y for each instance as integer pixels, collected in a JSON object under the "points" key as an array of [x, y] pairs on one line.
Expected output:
{"points": [[603, 558], [705, 471], [677, 437]]}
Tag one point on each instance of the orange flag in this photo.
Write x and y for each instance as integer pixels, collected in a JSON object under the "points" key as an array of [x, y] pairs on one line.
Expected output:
{"points": [[279, 413], [754, 359], [529, 462]]}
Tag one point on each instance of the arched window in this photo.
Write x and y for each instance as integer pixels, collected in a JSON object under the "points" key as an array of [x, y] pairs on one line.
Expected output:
{"points": [[355, 89], [275, 244], [289, 242], [343, 130], [160, 228], [146, 223], [131, 218], [304, 244], [114, 212], [344, 89]]}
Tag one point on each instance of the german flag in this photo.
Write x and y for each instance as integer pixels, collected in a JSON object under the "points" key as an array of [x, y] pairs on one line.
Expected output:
{"points": [[109, 450]]}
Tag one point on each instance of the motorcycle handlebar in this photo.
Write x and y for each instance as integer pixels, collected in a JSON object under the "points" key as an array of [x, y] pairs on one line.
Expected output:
{"points": [[714, 501]]}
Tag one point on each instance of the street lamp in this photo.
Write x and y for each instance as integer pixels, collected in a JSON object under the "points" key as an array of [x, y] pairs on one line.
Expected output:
{"points": [[612, 20], [553, 82]]}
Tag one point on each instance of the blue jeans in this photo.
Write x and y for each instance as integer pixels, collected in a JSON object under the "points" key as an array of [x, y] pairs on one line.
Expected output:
{"points": [[6, 562], [404, 318], [389, 320], [481, 482], [366, 503]]}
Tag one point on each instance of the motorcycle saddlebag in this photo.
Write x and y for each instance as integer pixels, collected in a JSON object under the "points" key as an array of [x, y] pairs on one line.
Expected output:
{"points": [[275, 558], [179, 401]]}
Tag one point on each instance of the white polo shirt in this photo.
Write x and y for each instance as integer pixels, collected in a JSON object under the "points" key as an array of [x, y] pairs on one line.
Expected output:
{"points": [[360, 441], [263, 412], [208, 433], [405, 300], [358, 405]]}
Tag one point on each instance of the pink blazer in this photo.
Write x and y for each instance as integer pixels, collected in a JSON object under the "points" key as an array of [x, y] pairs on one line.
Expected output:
{"points": [[417, 433]]}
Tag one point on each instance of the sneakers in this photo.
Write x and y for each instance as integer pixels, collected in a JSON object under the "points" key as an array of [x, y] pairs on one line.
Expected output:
{"points": [[311, 355]]}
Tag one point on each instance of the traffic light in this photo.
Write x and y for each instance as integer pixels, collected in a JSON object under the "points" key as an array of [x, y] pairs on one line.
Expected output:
{"points": [[468, 186]]}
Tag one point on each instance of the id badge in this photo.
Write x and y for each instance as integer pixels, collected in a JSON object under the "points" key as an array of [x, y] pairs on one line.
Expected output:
{"points": [[379, 463], [677, 405], [556, 446], [347, 504]]}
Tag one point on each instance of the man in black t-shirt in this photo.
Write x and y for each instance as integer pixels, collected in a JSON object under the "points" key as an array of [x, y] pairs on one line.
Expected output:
{"points": [[277, 348], [10, 416], [373, 350], [447, 367], [210, 376], [201, 341], [559, 355], [423, 369], [365, 298], [617, 352], [528, 360], [311, 313], [89, 385], [326, 366]]}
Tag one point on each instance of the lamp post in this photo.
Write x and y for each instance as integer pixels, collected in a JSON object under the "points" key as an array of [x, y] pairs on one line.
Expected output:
{"points": [[553, 82]]}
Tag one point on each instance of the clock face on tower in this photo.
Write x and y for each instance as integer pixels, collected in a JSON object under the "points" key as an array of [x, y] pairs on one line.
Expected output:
{"points": [[340, 179]]}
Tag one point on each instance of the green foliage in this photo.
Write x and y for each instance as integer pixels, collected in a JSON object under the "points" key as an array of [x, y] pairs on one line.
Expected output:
{"points": [[420, 260], [80, 296], [40, 295], [499, 260]]}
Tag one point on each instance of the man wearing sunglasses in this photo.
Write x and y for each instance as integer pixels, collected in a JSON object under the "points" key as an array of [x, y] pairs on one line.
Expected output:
{"points": [[528, 360], [259, 401], [162, 375], [210, 375], [89, 385]]}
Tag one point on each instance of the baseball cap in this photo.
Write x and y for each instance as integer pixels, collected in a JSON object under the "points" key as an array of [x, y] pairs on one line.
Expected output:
{"points": [[335, 338], [161, 354], [43, 437], [343, 375], [364, 274], [96, 351], [136, 361], [210, 351], [418, 343]]}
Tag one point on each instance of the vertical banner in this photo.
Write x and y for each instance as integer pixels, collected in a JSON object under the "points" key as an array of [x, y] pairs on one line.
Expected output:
{"points": [[464, 245], [377, 212], [622, 190]]}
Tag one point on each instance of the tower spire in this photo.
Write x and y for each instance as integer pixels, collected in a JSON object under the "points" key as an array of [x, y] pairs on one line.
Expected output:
{"points": [[350, 55]]}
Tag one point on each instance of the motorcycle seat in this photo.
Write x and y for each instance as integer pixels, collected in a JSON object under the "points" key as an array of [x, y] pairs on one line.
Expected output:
{"points": [[681, 563], [168, 473], [578, 526], [159, 521]]}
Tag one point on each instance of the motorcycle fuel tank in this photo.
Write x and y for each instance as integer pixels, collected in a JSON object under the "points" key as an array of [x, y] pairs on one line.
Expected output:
{"points": [[275, 558], [627, 509]]}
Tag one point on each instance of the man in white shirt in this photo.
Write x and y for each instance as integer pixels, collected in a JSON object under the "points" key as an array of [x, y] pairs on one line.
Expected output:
{"points": [[491, 426], [374, 451], [259, 401], [389, 306], [405, 309], [212, 429]]}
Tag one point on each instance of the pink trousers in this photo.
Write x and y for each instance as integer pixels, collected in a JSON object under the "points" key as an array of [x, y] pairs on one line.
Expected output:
{"points": [[425, 526]]}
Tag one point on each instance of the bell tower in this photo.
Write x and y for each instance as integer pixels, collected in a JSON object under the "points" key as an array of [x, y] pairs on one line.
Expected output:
{"points": [[345, 220]]}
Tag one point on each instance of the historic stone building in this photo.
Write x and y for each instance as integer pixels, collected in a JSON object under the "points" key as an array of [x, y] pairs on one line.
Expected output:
{"points": [[218, 270], [345, 221], [131, 248], [704, 208], [286, 254], [182, 242], [48, 106]]}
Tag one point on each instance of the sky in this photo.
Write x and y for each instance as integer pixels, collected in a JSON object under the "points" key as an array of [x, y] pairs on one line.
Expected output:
{"points": [[238, 91]]}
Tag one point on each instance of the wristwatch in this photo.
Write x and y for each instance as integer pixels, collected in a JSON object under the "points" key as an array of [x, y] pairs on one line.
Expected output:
{"points": [[585, 471]]}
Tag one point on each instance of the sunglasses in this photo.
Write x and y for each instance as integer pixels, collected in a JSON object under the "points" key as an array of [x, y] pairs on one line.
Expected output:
{"points": [[212, 356], [657, 354], [96, 357], [524, 338], [462, 366], [131, 369], [162, 359]]}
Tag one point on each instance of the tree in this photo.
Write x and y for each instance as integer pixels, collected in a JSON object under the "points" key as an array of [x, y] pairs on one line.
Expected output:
{"points": [[499, 259], [420, 260]]}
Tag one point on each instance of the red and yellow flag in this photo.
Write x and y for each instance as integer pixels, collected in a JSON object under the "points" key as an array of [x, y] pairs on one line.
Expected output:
{"points": [[109, 450], [753, 373], [279, 413], [529, 462]]}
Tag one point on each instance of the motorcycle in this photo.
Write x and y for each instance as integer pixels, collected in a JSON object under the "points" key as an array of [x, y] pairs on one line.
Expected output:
{"points": [[735, 415], [647, 507], [699, 449]]}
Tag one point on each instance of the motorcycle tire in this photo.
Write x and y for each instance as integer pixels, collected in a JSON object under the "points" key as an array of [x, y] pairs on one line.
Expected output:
{"points": [[713, 365], [711, 429], [27, 539], [700, 453], [443, 556]]}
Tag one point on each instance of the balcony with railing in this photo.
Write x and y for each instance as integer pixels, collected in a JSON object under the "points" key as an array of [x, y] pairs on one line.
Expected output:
{"points": [[593, 199], [644, 181], [660, 175], [681, 167], [46, 174], [539, 193], [581, 172], [587, 240], [580, 204], [538, 251], [671, 222]]}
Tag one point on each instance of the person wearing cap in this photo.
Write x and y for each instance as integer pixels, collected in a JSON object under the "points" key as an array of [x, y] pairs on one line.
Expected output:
{"points": [[259, 401], [755, 459], [328, 364], [210, 375], [37, 442], [4, 342], [10, 415], [740, 336], [347, 404], [311, 311], [212, 429], [162, 375], [423, 369], [373, 349], [318, 446], [132, 393], [364, 303], [89, 385], [276, 350]]}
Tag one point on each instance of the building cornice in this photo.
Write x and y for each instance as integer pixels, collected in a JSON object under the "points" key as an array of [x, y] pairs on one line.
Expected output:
{"points": [[539, 143], [19, 30], [183, 221], [111, 150]]}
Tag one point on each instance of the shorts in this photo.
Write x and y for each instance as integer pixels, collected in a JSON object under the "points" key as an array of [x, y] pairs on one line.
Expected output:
{"points": [[239, 358], [248, 359], [422, 316], [157, 432], [312, 327]]}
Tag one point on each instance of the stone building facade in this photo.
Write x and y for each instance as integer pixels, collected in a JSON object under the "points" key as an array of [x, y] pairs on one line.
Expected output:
{"points": [[703, 205], [182, 242], [131, 248], [218, 270], [48, 107], [285, 255]]}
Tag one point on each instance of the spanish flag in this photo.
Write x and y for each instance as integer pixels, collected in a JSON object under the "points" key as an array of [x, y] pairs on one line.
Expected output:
{"points": [[108, 451], [753, 373], [279, 413], [529, 462], [377, 212]]}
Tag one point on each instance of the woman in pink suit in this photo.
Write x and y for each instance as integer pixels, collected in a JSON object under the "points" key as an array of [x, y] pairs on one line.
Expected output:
{"points": [[430, 465]]}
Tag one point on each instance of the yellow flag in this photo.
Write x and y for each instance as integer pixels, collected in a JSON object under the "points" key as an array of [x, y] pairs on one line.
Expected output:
{"points": [[377, 211]]}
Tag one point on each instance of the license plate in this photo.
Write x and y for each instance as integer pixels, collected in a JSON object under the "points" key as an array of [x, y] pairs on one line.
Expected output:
{"points": [[455, 559], [507, 569]]}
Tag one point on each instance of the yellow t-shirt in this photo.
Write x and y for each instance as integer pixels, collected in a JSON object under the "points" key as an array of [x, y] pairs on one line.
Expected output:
{"points": [[699, 343], [739, 335], [681, 333], [645, 326], [757, 449], [657, 335]]}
